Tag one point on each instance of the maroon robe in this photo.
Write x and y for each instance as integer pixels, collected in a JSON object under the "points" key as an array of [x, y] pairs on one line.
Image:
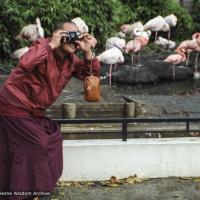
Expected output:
{"points": [[30, 143]]}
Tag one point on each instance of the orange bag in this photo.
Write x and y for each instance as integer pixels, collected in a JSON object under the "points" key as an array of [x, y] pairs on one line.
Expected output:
{"points": [[92, 88]]}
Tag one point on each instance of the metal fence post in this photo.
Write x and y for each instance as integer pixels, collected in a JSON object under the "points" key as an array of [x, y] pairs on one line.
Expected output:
{"points": [[124, 131]]}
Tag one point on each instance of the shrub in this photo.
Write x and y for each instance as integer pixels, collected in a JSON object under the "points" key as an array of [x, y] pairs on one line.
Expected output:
{"points": [[196, 14]]}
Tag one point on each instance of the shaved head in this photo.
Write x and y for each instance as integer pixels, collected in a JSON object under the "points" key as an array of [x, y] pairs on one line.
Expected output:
{"points": [[67, 26]]}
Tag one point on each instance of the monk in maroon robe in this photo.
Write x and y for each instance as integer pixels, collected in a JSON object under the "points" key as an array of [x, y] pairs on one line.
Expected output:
{"points": [[30, 143]]}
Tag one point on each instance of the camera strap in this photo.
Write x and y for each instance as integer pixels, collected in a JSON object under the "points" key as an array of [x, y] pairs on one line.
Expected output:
{"points": [[90, 65]]}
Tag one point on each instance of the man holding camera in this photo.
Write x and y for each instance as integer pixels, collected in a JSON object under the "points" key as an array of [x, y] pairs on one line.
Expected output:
{"points": [[30, 143]]}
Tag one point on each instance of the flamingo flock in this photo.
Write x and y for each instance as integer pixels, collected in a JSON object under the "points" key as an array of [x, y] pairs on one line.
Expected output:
{"points": [[138, 36]]}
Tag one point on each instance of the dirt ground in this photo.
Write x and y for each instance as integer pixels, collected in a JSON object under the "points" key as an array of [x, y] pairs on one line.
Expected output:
{"points": [[152, 189]]}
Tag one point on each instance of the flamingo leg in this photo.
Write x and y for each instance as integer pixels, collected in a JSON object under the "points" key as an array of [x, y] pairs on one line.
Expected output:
{"points": [[115, 68], [139, 59], [156, 39], [196, 62], [187, 60], [169, 34], [196, 74], [110, 73], [132, 58], [173, 72]]}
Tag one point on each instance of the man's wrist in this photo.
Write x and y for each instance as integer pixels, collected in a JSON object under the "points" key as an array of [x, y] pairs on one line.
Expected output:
{"points": [[52, 45], [89, 55]]}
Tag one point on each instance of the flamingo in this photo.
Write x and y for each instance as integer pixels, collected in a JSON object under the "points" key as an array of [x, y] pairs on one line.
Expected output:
{"points": [[82, 26], [135, 45], [191, 45], [157, 24], [128, 29], [19, 53], [196, 36], [175, 59], [31, 32], [171, 20], [111, 56], [165, 43], [115, 42]]}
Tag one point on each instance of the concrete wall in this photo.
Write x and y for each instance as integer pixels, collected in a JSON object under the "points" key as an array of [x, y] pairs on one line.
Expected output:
{"points": [[160, 157]]}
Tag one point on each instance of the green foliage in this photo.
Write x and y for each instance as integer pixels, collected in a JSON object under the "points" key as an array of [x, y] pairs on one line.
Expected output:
{"points": [[185, 24], [196, 14]]}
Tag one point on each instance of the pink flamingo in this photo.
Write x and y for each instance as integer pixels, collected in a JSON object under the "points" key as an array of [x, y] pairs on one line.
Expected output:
{"points": [[135, 45], [19, 53], [175, 59], [31, 32], [196, 36], [128, 29], [111, 56], [115, 42], [165, 43], [189, 46], [171, 21], [157, 24], [82, 26]]}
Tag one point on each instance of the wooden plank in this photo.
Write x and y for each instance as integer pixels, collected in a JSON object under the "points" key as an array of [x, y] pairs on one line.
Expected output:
{"points": [[101, 110], [99, 116], [99, 106]]}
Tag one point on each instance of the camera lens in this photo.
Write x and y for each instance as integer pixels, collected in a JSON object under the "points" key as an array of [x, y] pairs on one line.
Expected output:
{"points": [[70, 37]]}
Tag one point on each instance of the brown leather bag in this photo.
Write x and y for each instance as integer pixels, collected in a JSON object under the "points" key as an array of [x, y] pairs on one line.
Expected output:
{"points": [[92, 88]]}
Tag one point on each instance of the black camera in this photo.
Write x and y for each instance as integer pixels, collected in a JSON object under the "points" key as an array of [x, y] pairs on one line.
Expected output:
{"points": [[70, 37]]}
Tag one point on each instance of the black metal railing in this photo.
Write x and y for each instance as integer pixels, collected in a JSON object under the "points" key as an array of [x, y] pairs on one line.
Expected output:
{"points": [[126, 121]]}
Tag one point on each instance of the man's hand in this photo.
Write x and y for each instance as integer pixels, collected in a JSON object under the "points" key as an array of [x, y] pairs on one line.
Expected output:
{"points": [[86, 43], [55, 40]]}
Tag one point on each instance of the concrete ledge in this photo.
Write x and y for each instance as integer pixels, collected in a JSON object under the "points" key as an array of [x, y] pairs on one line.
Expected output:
{"points": [[152, 158]]}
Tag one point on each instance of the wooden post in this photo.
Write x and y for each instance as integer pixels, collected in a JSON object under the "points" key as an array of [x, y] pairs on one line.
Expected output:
{"points": [[69, 110], [130, 110], [139, 108]]}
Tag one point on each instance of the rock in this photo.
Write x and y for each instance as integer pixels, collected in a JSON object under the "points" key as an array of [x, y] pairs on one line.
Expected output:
{"points": [[130, 74], [150, 73], [152, 69]]}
